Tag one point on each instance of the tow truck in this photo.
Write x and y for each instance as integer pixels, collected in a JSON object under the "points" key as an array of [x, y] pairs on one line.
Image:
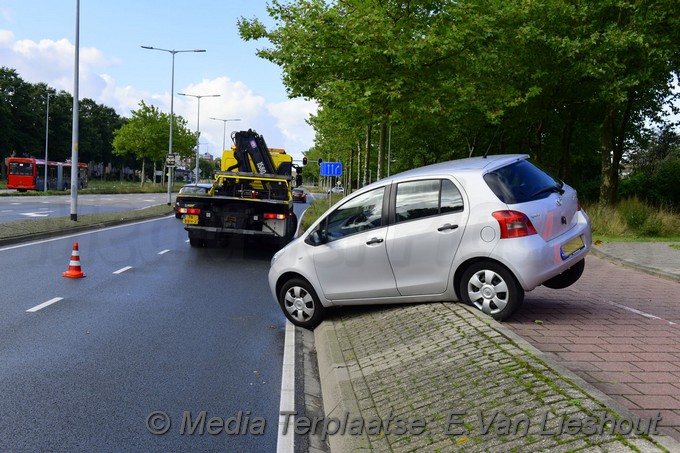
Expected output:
{"points": [[251, 196]]}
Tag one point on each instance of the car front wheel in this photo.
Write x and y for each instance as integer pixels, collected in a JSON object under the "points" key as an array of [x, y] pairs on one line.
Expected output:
{"points": [[300, 304], [491, 288]]}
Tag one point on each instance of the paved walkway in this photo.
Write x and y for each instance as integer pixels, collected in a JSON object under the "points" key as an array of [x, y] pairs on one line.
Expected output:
{"points": [[589, 370]]}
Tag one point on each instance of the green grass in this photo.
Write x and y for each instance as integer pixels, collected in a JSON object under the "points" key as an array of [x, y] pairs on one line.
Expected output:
{"points": [[62, 224], [101, 187], [631, 220], [316, 209]]}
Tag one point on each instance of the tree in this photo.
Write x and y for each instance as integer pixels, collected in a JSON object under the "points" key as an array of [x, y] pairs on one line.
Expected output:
{"points": [[146, 135]]}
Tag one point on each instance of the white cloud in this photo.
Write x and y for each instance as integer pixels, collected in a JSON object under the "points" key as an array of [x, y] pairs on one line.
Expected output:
{"points": [[291, 119], [48, 61]]}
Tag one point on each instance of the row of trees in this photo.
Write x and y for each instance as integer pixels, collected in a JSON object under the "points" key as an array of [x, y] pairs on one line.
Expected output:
{"points": [[575, 84], [23, 109], [104, 136]]}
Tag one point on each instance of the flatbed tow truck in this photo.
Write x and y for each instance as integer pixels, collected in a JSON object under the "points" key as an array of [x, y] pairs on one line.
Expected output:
{"points": [[251, 196]]}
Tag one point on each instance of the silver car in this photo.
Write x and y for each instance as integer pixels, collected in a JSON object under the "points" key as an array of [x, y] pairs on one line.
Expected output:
{"points": [[482, 230]]}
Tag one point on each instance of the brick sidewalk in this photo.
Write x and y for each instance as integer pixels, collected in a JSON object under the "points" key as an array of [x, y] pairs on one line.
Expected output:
{"points": [[618, 329], [427, 361]]}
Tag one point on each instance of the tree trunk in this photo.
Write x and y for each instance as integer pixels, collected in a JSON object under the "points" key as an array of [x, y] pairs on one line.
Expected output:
{"points": [[367, 156], [564, 167], [381, 148], [348, 171], [358, 164], [143, 175], [612, 146]]}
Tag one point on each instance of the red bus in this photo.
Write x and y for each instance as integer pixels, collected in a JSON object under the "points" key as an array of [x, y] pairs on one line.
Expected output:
{"points": [[27, 173]]}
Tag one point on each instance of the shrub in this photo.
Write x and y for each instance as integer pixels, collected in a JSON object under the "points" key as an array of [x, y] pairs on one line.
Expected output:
{"points": [[634, 213]]}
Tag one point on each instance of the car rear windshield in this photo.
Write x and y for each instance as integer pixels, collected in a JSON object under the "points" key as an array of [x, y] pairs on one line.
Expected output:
{"points": [[520, 182]]}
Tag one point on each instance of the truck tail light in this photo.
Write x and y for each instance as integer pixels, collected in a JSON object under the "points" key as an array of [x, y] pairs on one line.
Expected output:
{"points": [[514, 224], [274, 217]]}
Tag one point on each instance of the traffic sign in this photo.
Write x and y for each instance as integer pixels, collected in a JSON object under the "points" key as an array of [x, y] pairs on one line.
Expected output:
{"points": [[330, 169], [170, 160]]}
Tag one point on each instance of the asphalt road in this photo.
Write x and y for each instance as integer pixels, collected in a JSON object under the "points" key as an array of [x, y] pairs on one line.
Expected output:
{"points": [[15, 208], [155, 326]]}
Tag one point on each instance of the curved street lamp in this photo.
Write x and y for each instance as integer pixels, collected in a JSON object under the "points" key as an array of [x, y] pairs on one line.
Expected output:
{"points": [[198, 122], [172, 111], [224, 130]]}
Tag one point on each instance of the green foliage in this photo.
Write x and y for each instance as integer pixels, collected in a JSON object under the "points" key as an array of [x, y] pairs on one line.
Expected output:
{"points": [[570, 84], [23, 108], [146, 135], [634, 213]]}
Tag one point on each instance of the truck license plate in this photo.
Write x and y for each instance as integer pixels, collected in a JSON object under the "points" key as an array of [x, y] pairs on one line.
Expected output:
{"points": [[190, 219]]}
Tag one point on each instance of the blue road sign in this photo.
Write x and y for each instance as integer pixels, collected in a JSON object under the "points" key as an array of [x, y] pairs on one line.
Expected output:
{"points": [[330, 169]]}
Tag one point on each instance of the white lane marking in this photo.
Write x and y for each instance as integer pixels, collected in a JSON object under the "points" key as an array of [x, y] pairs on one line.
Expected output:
{"points": [[640, 312], [36, 214], [285, 442], [44, 304], [123, 269], [163, 252], [84, 233]]}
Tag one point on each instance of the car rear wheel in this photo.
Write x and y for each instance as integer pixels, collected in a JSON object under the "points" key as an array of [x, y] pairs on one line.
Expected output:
{"points": [[568, 277], [491, 288], [300, 304]]}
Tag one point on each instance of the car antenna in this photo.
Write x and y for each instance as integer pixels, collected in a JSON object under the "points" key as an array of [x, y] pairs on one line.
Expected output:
{"points": [[490, 143]]}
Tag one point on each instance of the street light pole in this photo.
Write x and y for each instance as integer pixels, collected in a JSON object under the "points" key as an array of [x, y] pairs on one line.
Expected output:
{"points": [[47, 129], [224, 129], [172, 107], [198, 122]]}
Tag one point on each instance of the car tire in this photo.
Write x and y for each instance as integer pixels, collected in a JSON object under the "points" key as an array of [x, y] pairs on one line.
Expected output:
{"points": [[300, 304], [491, 288], [568, 277]]}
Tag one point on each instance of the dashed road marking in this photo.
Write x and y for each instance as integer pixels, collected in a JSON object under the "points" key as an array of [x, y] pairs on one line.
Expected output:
{"points": [[44, 304], [123, 269]]}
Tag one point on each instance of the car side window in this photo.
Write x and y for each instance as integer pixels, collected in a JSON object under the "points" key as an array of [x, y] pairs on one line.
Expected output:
{"points": [[359, 214], [418, 199], [451, 199]]}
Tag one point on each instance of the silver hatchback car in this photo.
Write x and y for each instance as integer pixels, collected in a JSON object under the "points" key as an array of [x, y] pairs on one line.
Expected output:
{"points": [[482, 230]]}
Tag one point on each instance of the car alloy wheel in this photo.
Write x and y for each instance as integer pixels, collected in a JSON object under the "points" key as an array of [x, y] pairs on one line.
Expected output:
{"points": [[300, 304], [492, 289]]}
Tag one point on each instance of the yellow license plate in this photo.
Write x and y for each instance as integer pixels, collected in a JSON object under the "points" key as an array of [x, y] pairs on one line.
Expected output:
{"points": [[571, 247], [190, 219]]}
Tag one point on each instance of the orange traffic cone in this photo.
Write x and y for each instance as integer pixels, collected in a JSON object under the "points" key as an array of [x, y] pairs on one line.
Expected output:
{"points": [[74, 265]]}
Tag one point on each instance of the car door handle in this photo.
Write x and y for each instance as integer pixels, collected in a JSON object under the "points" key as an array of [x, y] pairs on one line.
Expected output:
{"points": [[374, 241], [447, 226]]}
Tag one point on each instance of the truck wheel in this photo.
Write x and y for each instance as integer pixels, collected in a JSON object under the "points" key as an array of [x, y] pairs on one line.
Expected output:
{"points": [[568, 277], [196, 241], [491, 288], [300, 304]]}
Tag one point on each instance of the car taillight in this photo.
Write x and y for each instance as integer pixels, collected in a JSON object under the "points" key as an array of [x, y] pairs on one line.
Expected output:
{"points": [[274, 217], [514, 224], [194, 211]]}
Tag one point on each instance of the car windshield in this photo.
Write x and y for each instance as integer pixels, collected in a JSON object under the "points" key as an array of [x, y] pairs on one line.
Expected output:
{"points": [[521, 182]]}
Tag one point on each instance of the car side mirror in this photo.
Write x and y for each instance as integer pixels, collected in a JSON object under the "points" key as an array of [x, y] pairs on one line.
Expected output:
{"points": [[318, 237]]}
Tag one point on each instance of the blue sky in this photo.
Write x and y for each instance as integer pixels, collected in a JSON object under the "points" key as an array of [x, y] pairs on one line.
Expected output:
{"points": [[37, 39]]}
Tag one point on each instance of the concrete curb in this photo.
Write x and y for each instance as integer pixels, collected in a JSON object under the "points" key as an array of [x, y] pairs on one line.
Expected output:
{"points": [[336, 388], [632, 265]]}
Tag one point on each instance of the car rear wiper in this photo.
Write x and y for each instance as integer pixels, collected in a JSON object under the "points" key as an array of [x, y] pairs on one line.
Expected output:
{"points": [[557, 189]]}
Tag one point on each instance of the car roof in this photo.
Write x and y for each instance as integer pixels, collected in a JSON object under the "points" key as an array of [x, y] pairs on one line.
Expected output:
{"points": [[470, 164]]}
